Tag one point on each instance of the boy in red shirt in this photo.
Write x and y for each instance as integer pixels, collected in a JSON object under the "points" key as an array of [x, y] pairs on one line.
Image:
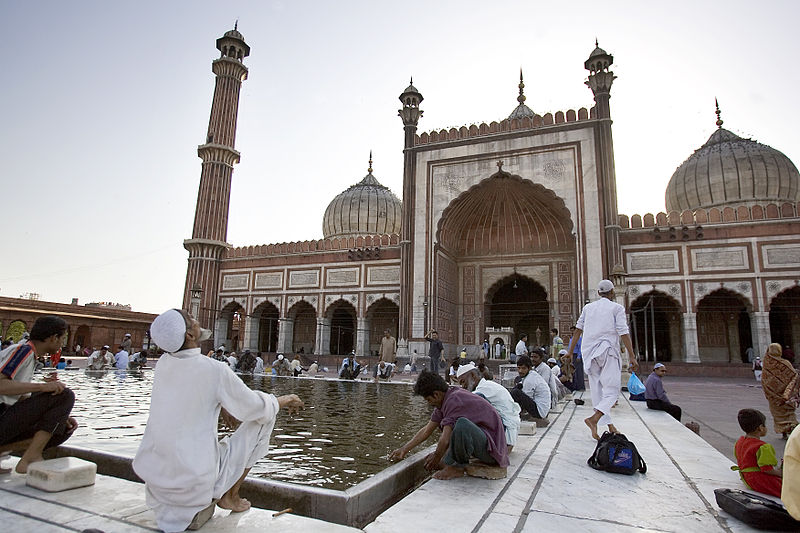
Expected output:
{"points": [[758, 465]]}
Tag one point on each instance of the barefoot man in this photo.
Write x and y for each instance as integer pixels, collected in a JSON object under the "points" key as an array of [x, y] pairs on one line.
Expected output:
{"points": [[470, 426], [184, 468], [603, 324], [33, 416]]}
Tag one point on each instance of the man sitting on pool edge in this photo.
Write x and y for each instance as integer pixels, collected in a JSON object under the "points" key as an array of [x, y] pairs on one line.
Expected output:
{"points": [[470, 426], [184, 468]]}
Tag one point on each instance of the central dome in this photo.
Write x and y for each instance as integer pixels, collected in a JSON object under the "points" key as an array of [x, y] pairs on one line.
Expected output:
{"points": [[729, 171], [366, 208]]}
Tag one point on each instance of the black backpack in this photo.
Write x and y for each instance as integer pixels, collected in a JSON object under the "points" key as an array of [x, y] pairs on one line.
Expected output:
{"points": [[616, 454], [756, 511]]}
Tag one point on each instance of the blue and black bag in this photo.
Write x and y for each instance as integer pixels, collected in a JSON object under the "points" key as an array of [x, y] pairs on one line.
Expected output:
{"points": [[616, 454]]}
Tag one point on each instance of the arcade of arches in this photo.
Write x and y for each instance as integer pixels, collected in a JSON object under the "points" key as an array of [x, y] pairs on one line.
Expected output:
{"points": [[510, 244]]}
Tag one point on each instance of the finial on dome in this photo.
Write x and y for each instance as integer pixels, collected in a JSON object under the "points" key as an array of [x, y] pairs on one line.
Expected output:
{"points": [[369, 170], [719, 120], [236, 25], [521, 97], [596, 44]]}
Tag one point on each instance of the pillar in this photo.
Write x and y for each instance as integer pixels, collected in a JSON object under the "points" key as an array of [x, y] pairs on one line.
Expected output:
{"points": [[691, 352], [734, 348], [285, 335], [221, 333], [759, 327], [323, 337], [250, 337], [362, 337]]}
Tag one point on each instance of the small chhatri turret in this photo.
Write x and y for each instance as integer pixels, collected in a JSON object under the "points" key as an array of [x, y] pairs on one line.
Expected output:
{"points": [[521, 110], [411, 98], [600, 79]]}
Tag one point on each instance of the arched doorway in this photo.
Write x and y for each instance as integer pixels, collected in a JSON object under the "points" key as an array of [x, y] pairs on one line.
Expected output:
{"points": [[501, 224], [83, 336], [15, 330], [382, 315], [305, 327], [656, 327], [520, 303], [342, 316], [229, 329], [723, 327], [784, 318], [266, 316]]}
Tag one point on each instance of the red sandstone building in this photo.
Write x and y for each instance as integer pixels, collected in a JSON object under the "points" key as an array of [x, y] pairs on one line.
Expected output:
{"points": [[88, 326], [503, 228]]}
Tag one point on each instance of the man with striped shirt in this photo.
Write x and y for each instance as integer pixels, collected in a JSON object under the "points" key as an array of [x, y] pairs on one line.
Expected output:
{"points": [[33, 416]]}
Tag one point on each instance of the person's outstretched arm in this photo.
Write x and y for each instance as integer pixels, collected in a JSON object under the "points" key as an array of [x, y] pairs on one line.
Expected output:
{"points": [[415, 441]]}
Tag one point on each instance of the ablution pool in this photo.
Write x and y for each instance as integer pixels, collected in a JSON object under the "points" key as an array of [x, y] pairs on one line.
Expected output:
{"points": [[342, 437]]}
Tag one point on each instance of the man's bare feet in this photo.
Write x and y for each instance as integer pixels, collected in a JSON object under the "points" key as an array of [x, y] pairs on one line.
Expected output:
{"points": [[449, 472], [233, 503], [22, 465], [612, 428], [593, 426]]}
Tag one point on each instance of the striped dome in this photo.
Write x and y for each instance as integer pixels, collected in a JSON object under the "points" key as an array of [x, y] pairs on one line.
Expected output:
{"points": [[366, 208]]}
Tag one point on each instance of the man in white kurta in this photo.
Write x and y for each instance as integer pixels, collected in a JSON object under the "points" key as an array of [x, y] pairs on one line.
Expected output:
{"points": [[470, 378], [602, 325], [521, 349], [537, 358], [184, 467]]}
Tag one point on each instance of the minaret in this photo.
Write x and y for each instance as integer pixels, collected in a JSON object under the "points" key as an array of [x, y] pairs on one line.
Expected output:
{"points": [[600, 80], [410, 113], [207, 244]]}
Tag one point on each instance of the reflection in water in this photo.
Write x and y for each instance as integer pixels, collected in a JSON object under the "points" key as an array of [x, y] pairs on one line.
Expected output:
{"points": [[343, 436]]}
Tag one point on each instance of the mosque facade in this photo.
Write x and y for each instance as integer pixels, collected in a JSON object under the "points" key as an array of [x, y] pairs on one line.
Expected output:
{"points": [[506, 228]]}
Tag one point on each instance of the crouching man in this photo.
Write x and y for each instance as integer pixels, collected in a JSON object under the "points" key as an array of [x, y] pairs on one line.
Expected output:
{"points": [[471, 379], [33, 416], [185, 469], [470, 427]]}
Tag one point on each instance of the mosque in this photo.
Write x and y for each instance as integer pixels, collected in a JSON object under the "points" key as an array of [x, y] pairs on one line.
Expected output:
{"points": [[503, 228]]}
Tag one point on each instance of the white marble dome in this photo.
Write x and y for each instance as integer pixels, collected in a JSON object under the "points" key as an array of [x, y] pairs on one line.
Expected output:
{"points": [[366, 208], [731, 171]]}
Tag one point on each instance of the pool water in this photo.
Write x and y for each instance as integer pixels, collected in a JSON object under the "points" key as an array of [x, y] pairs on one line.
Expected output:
{"points": [[343, 436]]}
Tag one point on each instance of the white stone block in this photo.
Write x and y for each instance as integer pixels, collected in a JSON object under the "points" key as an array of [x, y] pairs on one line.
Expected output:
{"points": [[63, 473], [527, 428]]}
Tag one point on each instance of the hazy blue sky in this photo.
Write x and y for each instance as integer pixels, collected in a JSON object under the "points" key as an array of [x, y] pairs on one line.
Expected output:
{"points": [[103, 105]]}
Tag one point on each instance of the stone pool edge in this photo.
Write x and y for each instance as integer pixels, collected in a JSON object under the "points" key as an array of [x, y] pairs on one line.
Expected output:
{"points": [[356, 506]]}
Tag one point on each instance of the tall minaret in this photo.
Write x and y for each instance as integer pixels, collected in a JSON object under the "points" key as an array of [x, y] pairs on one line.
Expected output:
{"points": [[599, 81], [207, 244], [410, 113]]}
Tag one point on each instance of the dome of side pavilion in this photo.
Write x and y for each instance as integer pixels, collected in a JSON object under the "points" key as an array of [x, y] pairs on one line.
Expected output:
{"points": [[731, 171], [366, 208]]}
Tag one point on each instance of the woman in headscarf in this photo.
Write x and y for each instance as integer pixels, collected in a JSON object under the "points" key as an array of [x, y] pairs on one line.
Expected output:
{"points": [[782, 388]]}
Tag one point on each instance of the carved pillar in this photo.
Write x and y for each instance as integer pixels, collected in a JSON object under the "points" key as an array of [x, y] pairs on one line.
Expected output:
{"points": [[691, 352], [362, 337], [323, 337], [759, 327], [285, 335], [221, 333], [250, 337]]}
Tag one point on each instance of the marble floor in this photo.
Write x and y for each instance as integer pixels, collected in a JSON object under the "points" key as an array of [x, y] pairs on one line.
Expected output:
{"points": [[549, 488]]}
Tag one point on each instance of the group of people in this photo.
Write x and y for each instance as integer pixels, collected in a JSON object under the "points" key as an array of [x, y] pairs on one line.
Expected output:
{"points": [[256, 363], [121, 360]]}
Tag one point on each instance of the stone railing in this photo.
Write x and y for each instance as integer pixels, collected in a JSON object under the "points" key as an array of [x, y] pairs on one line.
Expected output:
{"points": [[538, 121], [711, 216], [322, 245]]}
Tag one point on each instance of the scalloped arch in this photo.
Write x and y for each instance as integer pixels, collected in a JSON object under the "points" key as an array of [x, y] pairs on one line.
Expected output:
{"points": [[505, 214]]}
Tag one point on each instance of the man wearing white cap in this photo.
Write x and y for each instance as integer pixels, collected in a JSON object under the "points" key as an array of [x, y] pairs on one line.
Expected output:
{"points": [[470, 378], [602, 325], [98, 359], [126, 343], [656, 396], [184, 468]]}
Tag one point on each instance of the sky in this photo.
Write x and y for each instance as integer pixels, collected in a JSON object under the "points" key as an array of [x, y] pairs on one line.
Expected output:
{"points": [[103, 105]]}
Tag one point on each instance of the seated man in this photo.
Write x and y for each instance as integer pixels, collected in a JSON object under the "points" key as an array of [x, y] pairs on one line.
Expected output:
{"points": [[184, 468], [121, 359], [470, 378], [35, 413], [350, 367], [98, 359], [280, 366], [656, 396], [384, 370], [531, 391], [537, 359], [470, 428]]}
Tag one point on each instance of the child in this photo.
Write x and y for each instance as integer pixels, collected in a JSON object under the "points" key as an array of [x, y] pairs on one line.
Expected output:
{"points": [[756, 458]]}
